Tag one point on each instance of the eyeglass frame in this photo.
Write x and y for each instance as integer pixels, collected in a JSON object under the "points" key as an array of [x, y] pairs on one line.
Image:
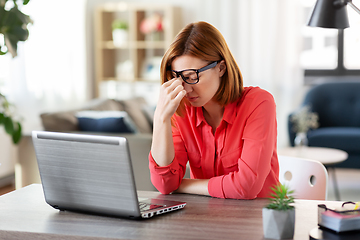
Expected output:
{"points": [[179, 73]]}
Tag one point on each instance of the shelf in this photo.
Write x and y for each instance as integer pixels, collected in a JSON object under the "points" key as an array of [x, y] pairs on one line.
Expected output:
{"points": [[138, 59], [135, 45], [129, 80]]}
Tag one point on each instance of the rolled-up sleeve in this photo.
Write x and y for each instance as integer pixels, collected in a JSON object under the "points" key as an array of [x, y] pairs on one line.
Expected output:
{"points": [[168, 178]]}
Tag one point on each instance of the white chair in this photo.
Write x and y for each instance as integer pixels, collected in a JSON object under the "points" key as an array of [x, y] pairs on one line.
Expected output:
{"points": [[308, 178]]}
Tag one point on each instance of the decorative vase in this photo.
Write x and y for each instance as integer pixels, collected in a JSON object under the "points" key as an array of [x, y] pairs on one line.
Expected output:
{"points": [[120, 37], [301, 139], [278, 224]]}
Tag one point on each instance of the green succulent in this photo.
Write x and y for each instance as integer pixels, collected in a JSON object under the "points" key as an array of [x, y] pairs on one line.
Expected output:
{"points": [[119, 24], [282, 198]]}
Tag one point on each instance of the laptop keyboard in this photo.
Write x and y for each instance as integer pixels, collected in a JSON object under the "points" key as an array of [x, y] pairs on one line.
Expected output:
{"points": [[147, 206]]}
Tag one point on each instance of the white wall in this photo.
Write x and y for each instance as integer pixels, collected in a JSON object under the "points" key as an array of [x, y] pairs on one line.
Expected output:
{"points": [[7, 157]]}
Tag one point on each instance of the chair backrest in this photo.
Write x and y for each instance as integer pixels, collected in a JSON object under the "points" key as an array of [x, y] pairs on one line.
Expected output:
{"points": [[336, 103], [308, 178]]}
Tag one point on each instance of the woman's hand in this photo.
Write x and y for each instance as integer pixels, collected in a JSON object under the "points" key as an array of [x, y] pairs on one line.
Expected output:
{"points": [[171, 93]]}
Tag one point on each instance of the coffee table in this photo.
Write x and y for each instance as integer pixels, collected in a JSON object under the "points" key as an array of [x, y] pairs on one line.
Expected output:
{"points": [[327, 156]]}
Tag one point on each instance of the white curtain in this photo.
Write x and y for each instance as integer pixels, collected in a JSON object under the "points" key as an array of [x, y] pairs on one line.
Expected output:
{"points": [[270, 43], [49, 72], [265, 39]]}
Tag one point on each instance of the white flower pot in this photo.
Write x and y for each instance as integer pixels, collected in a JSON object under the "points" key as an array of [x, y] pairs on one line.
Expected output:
{"points": [[278, 224], [120, 37], [301, 139]]}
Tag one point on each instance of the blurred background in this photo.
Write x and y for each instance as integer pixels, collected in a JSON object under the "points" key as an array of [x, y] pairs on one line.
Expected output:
{"points": [[71, 55]]}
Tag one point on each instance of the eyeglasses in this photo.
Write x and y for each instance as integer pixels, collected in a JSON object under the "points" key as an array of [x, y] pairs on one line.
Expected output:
{"points": [[191, 76]]}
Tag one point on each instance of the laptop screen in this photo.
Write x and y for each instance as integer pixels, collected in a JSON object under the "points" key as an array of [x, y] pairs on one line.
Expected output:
{"points": [[86, 173]]}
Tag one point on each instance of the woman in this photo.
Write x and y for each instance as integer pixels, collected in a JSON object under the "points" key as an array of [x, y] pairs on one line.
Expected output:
{"points": [[205, 117]]}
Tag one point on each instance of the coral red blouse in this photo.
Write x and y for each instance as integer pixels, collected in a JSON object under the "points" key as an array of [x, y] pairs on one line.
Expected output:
{"points": [[240, 159]]}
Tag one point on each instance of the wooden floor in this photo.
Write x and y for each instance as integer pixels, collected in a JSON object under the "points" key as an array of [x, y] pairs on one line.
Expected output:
{"points": [[348, 182]]}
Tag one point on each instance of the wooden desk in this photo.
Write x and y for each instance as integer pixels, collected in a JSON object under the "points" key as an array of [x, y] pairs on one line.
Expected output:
{"points": [[25, 215]]}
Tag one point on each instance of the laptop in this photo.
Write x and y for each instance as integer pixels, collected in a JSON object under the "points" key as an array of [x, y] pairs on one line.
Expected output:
{"points": [[92, 174]]}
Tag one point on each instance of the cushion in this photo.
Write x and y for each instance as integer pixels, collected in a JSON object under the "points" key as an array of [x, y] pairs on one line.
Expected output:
{"points": [[134, 107], [344, 138], [60, 121], [103, 105], [105, 121], [66, 121]]}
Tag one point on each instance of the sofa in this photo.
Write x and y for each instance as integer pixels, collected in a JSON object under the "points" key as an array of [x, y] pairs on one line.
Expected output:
{"points": [[337, 104], [135, 109], [134, 117]]}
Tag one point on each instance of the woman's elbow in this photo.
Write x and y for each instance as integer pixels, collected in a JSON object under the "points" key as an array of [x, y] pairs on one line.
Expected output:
{"points": [[164, 190], [164, 187], [249, 195], [246, 190]]}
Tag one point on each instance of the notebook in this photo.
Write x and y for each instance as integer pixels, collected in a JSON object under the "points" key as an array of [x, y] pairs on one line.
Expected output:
{"points": [[92, 174]]}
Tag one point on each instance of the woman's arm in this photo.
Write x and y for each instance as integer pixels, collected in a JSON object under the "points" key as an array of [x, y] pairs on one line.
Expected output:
{"points": [[162, 147], [194, 186], [166, 173]]}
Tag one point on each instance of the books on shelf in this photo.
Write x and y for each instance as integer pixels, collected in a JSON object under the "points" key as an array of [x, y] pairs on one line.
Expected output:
{"points": [[339, 220]]}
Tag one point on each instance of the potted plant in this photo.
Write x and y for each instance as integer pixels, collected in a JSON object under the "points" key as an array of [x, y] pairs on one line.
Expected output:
{"points": [[119, 32], [13, 28], [279, 214]]}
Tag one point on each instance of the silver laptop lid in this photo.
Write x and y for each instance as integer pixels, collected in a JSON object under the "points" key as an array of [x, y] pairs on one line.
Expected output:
{"points": [[86, 173]]}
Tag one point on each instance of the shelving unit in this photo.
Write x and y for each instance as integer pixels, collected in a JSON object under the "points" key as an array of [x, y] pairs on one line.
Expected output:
{"points": [[138, 58]]}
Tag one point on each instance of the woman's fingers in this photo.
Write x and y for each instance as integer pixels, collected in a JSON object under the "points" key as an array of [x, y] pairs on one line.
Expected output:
{"points": [[171, 88], [171, 85], [171, 94], [181, 94]]}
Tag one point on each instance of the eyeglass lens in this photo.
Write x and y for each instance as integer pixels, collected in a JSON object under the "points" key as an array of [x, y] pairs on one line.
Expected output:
{"points": [[189, 76]]}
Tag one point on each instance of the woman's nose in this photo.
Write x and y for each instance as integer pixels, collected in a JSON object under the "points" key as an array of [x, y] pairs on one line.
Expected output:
{"points": [[188, 88]]}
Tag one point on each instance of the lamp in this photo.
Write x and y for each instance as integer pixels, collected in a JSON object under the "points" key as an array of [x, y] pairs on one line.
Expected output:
{"points": [[331, 14]]}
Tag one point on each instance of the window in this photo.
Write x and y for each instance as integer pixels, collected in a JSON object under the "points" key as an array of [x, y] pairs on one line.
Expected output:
{"points": [[330, 52], [352, 40]]}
